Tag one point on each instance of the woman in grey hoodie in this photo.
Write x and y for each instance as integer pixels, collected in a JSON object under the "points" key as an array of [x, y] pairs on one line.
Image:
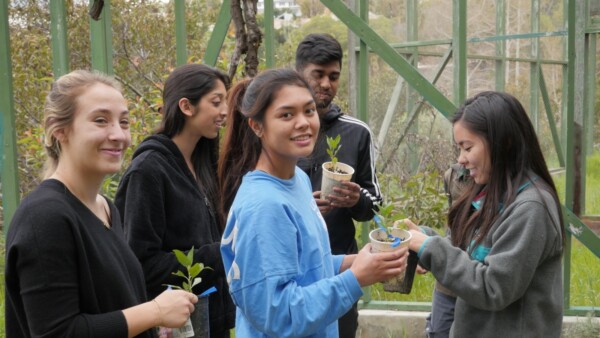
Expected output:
{"points": [[503, 260]]}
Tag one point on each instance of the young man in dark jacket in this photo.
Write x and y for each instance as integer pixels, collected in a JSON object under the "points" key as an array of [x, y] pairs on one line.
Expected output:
{"points": [[319, 60]]}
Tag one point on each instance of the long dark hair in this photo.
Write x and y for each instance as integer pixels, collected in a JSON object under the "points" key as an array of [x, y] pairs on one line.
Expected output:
{"points": [[194, 81], [248, 99], [515, 152]]}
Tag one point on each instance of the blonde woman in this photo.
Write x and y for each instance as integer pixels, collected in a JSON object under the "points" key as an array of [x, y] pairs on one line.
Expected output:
{"points": [[69, 271]]}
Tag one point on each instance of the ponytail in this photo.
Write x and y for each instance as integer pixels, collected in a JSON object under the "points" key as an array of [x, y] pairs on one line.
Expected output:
{"points": [[241, 148]]}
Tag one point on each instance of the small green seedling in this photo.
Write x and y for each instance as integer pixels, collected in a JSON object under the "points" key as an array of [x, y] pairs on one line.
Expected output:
{"points": [[333, 146], [385, 212], [192, 270]]}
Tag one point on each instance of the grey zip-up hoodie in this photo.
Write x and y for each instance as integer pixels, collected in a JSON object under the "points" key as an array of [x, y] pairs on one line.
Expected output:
{"points": [[515, 289]]}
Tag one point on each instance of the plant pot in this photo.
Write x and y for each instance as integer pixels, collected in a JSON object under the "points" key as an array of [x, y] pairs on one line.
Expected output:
{"points": [[403, 282], [200, 325], [334, 179]]}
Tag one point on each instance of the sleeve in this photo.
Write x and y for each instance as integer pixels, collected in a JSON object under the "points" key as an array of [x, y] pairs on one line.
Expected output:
{"points": [[337, 263], [43, 262], [519, 245], [141, 202], [365, 176], [264, 276]]}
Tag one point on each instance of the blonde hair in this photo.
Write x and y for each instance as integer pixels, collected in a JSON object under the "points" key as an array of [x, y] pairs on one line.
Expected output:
{"points": [[60, 108]]}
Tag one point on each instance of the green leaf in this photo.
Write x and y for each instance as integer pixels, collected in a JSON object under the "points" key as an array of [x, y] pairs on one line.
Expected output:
{"points": [[186, 287], [181, 257], [190, 257], [196, 281], [179, 273], [194, 270]]}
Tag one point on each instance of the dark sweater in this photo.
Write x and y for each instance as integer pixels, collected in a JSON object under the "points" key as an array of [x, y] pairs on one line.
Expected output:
{"points": [[358, 151], [67, 275], [163, 208]]}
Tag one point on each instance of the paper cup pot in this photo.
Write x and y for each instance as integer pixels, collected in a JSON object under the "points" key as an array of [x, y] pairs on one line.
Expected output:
{"points": [[334, 179], [379, 243]]}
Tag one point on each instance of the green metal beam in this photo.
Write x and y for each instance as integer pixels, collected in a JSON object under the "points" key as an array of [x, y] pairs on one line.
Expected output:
{"points": [[550, 116], [101, 41], [412, 34], [363, 65], [269, 34], [493, 58], [590, 92], [218, 34], [58, 31], [500, 45], [459, 46], [180, 33], [582, 232], [570, 150], [391, 57], [534, 69], [8, 155], [496, 38]]}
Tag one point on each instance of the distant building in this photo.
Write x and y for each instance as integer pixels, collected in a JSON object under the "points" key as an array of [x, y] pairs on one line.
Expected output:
{"points": [[289, 6]]}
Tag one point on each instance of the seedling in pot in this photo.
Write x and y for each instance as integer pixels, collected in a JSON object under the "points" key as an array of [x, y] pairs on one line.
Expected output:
{"points": [[379, 220]]}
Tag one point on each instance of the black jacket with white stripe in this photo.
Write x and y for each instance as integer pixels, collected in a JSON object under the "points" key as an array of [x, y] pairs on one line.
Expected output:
{"points": [[358, 151]]}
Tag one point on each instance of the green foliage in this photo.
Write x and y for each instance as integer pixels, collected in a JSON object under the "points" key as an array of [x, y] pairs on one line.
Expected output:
{"points": [[420, 197], [333, 146], [192, 270]]}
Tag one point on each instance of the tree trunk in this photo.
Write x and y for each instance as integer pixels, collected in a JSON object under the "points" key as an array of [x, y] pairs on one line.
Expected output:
{"points": [[247, 37]]}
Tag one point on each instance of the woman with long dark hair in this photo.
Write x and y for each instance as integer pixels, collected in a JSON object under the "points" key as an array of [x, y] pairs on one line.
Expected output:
{"points": [[168, 197], [504, 258], [282, 275]]}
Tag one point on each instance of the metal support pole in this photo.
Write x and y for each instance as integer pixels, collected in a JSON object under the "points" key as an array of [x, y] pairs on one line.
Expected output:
{"points": [[500, 45], [58, 31], [534, 73], [101, 41], [412, 24], [218, 34], [269, 34], [8, 155], [180, 33], [363, 67], [459, 44]]}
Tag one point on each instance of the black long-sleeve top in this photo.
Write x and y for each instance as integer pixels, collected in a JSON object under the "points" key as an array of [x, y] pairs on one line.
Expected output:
{"points": [[163, 208], [67, 275]]}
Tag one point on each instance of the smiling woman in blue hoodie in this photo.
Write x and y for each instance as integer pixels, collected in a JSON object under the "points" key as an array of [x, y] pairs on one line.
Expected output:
{"points": [[168, 196]]}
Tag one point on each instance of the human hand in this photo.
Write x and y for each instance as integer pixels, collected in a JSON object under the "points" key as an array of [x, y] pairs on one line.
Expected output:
{"points": [[175, 307], [418, 237], [347, 195], [421, 270], [323, 204], [370, 268]]}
